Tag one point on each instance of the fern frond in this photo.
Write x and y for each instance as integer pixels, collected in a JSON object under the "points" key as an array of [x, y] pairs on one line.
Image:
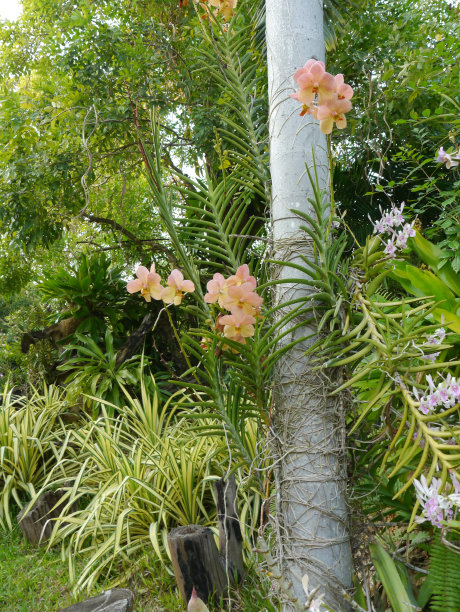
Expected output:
{"points": [[443, 577]]}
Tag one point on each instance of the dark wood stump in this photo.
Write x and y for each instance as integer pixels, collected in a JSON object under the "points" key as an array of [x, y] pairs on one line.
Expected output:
{"points": [[230, 538], [37, 524], [195, 558], [135, 340], [196, 562]]}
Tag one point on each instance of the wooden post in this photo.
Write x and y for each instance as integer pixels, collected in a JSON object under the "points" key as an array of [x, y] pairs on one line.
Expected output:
{"points": [[195, 558], [230, 538], [37, 524], [196, 562]]}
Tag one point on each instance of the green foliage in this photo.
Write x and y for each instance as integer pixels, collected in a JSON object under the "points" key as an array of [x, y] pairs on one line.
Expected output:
{"points": [[402, 68], [33, 443], [443, 283], [79, 81], [380, 345], [93, 371], [92, 289], [153, 588], [401, 598], [444, 572], [139, 475], [12, 361]]}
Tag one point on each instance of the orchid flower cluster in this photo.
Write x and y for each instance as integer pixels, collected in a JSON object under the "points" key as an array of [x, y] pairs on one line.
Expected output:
{"points": [[436, 507], [450, 160], [237, 295], [435, 339], [324, 96], [223, 7], [149, 284], [391, 219], [445, 394]]}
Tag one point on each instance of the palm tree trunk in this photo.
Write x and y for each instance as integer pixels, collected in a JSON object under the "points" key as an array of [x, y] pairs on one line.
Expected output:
{"points": [[308, 426]]}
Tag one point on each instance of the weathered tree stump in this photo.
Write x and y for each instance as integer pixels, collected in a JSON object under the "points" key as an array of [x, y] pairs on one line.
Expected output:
{"points": [[135, 340], [230, 538], [114, 600], [196, 562], [195, 558], [36, 525]]}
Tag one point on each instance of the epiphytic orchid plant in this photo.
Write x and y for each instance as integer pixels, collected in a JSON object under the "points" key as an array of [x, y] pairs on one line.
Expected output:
{"points": [[403, 365]]}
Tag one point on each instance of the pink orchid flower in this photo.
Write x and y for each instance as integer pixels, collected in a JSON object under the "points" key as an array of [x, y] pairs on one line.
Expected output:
{"points": [[148, 283], [333, 111], [313, 81], [219, 325], [216, 289], [243, 298], [343, 90], [224, 7], [176, 288], [390, 248], [238, 326], [242, 276]]}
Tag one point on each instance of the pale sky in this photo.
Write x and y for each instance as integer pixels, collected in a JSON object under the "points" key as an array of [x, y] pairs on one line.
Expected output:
{"points": [[10, 9]]}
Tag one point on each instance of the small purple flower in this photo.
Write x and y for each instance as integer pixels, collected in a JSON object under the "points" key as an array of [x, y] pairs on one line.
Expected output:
{"points": [[390, 249], [401, 240], [398, 218], [434, 513], [391, 219], [388, 218], [380, 227], [435, 506], [444, 395], [408, 229], [442, 156], [424, 407], [431, 357], [447, 159]]}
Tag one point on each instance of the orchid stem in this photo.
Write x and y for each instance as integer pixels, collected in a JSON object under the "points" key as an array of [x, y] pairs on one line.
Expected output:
{"points": [[178, 339], [331, 177]]}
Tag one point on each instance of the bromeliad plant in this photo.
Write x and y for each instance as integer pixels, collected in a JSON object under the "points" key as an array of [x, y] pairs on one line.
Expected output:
{"points": [[89, 290]]}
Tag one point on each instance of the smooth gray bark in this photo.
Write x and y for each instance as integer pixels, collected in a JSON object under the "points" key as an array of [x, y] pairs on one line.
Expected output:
{"points": [[308, 426]]}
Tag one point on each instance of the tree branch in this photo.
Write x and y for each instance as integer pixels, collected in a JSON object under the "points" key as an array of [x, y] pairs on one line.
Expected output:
{"points": [[152, 243]]}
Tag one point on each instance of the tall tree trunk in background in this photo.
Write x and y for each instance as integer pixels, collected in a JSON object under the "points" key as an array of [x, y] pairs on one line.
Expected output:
{"points": [[311, 474]]}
